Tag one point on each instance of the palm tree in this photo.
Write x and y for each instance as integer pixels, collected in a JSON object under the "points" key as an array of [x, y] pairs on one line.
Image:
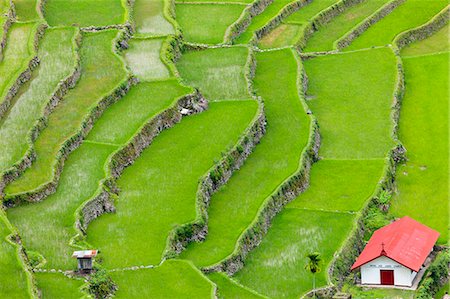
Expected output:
{"points": [[313, 265]]}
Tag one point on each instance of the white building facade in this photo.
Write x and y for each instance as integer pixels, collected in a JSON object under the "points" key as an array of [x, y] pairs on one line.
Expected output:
{"points": [[385, 271]]}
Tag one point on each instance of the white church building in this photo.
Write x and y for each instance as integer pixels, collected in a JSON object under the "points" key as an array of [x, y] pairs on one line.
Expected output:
{"points": [[395, 253]]}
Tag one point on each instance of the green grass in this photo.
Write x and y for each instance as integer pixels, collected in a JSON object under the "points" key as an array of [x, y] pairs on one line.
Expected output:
{"points": [[173, 279], [84, 13], [16, 55], [228, 289], [306, 13], [102, 71], [143, 58], [83, 171], [149, 18], [288, 34], [423, 181], [26, 10], [14, 281], [260, 20], [46, 227], [278, 154], [218, 73], [438, 42], [206, 23], [408, 15], [159, 190], [282, 36], [342, 185], [352, 95], [217, 1], [57, 60], [445, 288], [323, 40], [142, 101], [56, 285], [276, 267], [370, 293]]}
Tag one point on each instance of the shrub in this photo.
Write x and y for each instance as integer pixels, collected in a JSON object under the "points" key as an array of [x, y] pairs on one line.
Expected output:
{"points": [[100, 285]]}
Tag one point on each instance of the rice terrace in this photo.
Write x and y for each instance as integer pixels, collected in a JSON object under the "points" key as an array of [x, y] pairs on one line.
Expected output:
{"points": [[224, 149]]}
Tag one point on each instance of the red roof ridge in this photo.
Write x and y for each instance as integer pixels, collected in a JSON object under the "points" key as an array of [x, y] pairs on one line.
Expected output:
{"points": [[406, 241]]}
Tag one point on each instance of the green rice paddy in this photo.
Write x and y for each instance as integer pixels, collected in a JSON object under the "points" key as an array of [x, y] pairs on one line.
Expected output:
{"points": [[288, 33], [423, 180], [173, 279], [244, 194], [218, 73], [56, 285], [325, 38], [179, 155], [102, 71], [206, 23], [26, 10], [349, 92], [57, 61], [143, 58], [14, 280], [84, 13], [408, 15], [260, 20], [149, 18], [51, 238], [16, 55]]}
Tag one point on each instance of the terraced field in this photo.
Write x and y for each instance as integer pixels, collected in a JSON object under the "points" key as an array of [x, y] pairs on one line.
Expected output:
{"points": [[206, 147]]}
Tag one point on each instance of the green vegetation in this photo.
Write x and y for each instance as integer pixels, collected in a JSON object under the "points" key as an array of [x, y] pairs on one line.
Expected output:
{"points": [[324, 39], [143, 58], [14, 280], [84, 13], [347, 186], [288, 34], [319, 220], [179, 157], [84, 169], [408, 15], [282, 253], [260, 20], [218, 73], [149, 17], [359, 87], [370, 293], [102, 71], [436, 43], [234, 207], [423, 180], [16, 55], [206, 23], [57, 61], [26, 10], [229, 289], [142, 102], [56, 285], [173, 279]]}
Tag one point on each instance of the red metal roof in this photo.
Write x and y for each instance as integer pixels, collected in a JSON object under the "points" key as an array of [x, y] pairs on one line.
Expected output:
{"points": [[405, 241], [84, 254]]}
